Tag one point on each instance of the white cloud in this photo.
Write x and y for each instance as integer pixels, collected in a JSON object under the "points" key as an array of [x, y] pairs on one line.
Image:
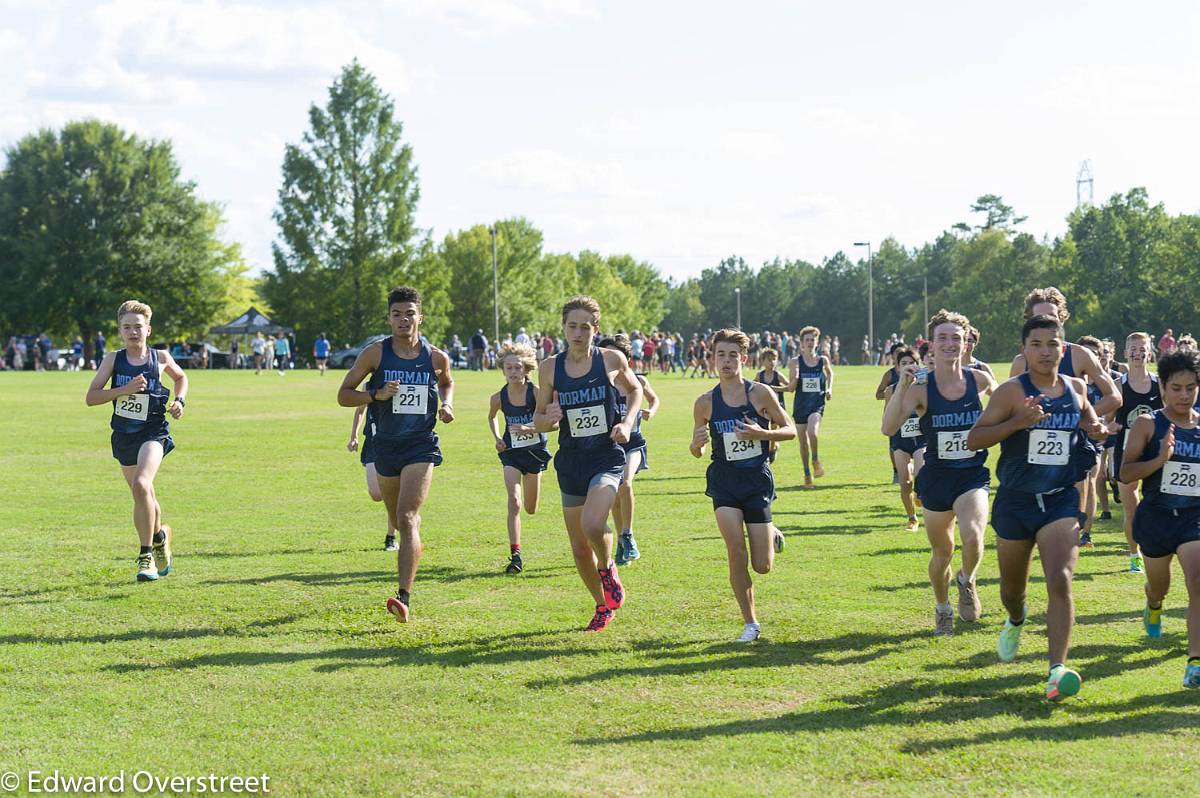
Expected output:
{"points": [[483, 18]]}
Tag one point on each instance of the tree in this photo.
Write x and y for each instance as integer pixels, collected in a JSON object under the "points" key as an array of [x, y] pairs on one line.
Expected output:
{"points": [[91, 216], [996, 215], [345, 214], [685, 312]]}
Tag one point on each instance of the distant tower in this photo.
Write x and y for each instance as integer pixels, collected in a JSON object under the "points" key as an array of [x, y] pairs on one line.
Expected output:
{"points": [[1083, 185]]}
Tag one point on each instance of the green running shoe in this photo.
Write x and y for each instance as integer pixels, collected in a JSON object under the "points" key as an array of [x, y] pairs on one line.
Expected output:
{"points": [[1191, 677], [1063, 683], [1010, 640], [1152, 620], [1137, 565]]}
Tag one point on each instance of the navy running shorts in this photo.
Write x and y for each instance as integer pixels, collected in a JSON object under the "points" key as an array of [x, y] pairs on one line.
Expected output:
{"points": [[579, 470], [1017, 515], [750, 490], [1159, 531], [392, 456], [938, 488], [126, 445], [527, 460]]}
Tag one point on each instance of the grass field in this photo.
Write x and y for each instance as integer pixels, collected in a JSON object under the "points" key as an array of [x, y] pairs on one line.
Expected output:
{"points": [[269, 651]]}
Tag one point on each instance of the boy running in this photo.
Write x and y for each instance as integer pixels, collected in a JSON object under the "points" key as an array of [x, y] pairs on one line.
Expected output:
{"points": [[1036, 418], [523, 456], [578, 388], [1140, 396], [407, 378], [141, 437], [737, 415], [1163, 451], [768, 376], [811, 377], [635, 456], [953, 483], [907, 445]]}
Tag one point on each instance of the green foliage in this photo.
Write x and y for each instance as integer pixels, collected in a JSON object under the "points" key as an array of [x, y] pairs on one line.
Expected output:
{"points": [[91, 216], [345, 215]]}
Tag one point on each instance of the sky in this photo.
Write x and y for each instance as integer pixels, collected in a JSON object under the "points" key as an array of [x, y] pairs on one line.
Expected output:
{"points": [[678, 132]]}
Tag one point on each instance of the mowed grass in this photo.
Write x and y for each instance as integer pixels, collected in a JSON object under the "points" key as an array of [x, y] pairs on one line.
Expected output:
{"points": [[270, 651]]}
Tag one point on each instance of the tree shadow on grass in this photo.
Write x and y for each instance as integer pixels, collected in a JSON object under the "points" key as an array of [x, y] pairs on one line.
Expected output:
{"points": [[844, 650], [252, 629], [849, 528], [917, 701], [983, 580], [436, 573]]}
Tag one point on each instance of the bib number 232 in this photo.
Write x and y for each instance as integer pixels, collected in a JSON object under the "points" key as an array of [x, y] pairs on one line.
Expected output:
{"points": [[584, 422]]}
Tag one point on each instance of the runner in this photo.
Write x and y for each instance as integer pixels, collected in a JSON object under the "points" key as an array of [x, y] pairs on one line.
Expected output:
{"points": [[737, 415], [1163, 451], [141, 436], [635, 455], [579, 388], [953, 482], [282, 352], [811, 377], [1108, 480], [1140, 396], [907, 445], [321, 352], [888, 379], [259, 347], [408, 380], [366, 456], [1089, 486], [1035, 417], [1077, 361], [523, 457], [769, 376], [969, 360]]}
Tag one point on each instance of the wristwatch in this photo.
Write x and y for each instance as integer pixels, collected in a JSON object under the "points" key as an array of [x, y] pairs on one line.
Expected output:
{"points": [[181, 402]]}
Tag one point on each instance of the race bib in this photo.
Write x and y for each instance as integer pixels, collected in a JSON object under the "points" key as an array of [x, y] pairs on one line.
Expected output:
{"points": [[585, 422], [740, 449], [1051, 447], [952, 445], [135, 406], [810, 385], [520, 441], [911, 428], [1181, 479], [413, 400]]}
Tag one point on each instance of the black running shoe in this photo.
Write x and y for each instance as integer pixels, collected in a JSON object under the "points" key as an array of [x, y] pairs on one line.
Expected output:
{"points": [[515, 566], [1106, 516], [389, 543]]}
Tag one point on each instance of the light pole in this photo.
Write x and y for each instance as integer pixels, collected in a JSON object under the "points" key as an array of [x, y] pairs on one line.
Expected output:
{"points": [[925, 282], [495, 289], [737, 292], [870, 293]]}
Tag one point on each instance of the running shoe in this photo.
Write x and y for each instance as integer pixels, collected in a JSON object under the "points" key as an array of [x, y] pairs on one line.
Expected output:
{"points": [[146, 572], [398, 608], [1191, 676], [1106, 516], [808, 482], [777, 539], [619, 556], [1137, 565], [515, 566], [969, 608], [943, 622], [749, 633], [911, 526], [1116, 494], [389, 543], [1085, 541], [1063, 682], [818, 469], [1152, 620], [631, 549], [614, 591], [162, 551], [1010, 640], [600, 620]]}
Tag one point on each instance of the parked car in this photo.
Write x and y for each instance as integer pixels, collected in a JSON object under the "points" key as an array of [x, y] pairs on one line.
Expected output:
{"points": [[344, 358], [216, 358]]}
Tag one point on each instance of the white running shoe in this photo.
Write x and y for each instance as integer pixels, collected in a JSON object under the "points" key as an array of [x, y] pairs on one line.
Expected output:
{"points": [[1010, 640], [146, 572], [750, 633]]}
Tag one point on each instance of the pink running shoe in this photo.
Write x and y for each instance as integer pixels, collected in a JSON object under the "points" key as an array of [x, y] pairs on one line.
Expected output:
{"points": [[614, 591], [398, 608], [600, 620]]}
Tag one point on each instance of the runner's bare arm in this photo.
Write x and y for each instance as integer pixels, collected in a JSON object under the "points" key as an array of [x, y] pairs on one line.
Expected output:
{"points": [[364, 366]]}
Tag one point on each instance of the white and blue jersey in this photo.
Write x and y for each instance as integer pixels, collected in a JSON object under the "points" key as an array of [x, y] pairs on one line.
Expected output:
{"points": [[139, 412], [636, 441], [412, 413], [1038, 459], [520, 415]]}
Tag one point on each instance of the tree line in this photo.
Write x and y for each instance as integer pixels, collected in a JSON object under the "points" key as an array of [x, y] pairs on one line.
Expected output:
{"points": [[91, 215]]}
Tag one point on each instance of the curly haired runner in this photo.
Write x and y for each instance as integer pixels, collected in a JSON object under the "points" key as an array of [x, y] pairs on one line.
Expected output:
{"points": [[407, 380], [738, 415]]}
